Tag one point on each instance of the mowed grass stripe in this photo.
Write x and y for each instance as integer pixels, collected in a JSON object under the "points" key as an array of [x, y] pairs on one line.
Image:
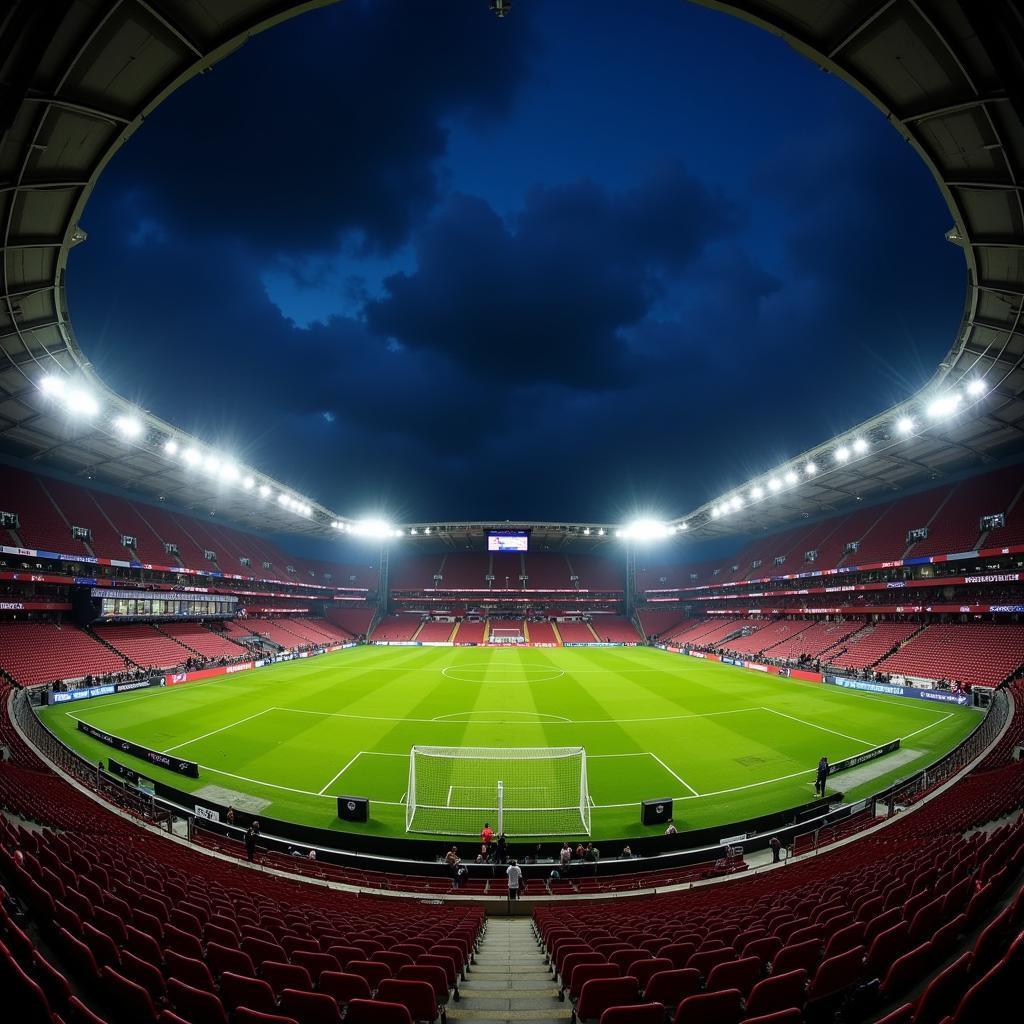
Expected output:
{"points": [[325, 727]]}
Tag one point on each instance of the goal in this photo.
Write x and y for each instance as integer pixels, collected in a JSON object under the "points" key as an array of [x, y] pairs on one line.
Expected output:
{"points": [[521, 791], [506, 635]]}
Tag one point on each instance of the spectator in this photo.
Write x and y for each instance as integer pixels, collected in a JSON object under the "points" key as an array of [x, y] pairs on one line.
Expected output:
{"points": [[776, 847], [671, 829], [515, 877]]}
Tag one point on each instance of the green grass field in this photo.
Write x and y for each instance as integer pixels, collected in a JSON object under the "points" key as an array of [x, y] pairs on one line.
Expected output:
{"points": [[725, 743]]}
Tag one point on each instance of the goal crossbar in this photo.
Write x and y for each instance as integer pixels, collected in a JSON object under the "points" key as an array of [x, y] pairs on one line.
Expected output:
{"points": [[521, 791]]}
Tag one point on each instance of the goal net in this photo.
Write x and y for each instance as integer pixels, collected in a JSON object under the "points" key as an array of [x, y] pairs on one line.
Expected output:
{"points": [[521, 791], [506, 635]]}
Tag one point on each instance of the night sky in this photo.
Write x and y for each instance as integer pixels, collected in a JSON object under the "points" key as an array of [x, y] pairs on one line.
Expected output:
{"points": [[594, 259]]}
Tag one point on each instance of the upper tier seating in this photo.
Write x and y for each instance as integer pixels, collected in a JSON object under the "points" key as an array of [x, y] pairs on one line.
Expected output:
{"points": [[278, 632], [41, 524], [871, 643], [79, 509], [396, 627], [721, 628], [145, 645], [464, 570], [41, 652], [815, 640], [308, 630], [887, 540], [506, 568], [596, 572], [547, 571], [130, 521], [202, 640], [415, 572], [979, 653]]}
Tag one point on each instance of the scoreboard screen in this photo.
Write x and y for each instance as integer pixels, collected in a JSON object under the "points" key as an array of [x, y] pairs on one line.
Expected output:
{"points": [[507, 540]]}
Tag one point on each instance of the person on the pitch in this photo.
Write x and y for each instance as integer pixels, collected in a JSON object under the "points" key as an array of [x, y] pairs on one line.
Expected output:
{"points": [[486, 837], [819, 782]]}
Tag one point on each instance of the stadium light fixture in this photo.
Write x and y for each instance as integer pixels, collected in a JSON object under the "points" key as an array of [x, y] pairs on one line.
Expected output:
{"points": [[860, 446], [171, 448], [81, 402], [716, 512], [264, 491], [976, 387], [905, 425], [211, 463], [736, 503], [248, 483], [600, 532], [944, 406], [775, 484], [811, 468], [192, 457], [127, 426], [586, 531], [683, 526], [842, 454], [414, 531], [230, 471], [756, 492], [377, 529], [644, 529], [790, 478], [54, 386], [427, 530]]}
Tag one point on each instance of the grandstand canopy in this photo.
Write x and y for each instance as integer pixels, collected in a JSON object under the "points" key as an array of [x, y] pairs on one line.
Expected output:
{"points": [[78, 80]]}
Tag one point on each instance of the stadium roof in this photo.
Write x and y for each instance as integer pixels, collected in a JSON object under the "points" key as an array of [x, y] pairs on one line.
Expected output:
{"points": [[77, 80]]}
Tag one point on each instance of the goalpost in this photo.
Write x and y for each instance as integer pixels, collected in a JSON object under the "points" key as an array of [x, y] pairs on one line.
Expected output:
{"points": [[521, 791]]}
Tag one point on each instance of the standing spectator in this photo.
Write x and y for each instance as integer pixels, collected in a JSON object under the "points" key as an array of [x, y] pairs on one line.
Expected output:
{"points": [[822, 776], [566, 855], [250, 842], [502, 849], [486, 836], [776, 847], [231, 816], [515, 877]]}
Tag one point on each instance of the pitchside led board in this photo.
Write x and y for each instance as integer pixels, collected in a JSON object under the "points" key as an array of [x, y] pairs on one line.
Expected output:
{"points": [[507, 540], [656, 812], [353, 808]]}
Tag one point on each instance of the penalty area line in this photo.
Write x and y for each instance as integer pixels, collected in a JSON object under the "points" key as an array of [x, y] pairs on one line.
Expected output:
{"points": [[673, 774], [353, 760], [813, 725], [213, 732]]}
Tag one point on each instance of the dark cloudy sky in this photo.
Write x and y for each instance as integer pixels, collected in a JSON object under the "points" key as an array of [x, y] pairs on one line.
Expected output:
{"points": [[592, 259]]}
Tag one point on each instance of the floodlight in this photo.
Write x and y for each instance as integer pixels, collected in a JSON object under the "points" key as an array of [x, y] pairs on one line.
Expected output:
{"points": [[171, 448], [192, 457], [586, 531], [976, 387], [377, 528], [944, 406], [810, 469], [283, 499], [736, 502], [775, 484], [53, 386], [790, 478], [644, 529], [414, 531], [860, 446], [757, 492], [211, 463], [248, 483], [264, 491], [127, 426], [842, 454], [600, 532], [230, 471], [716, 512], [427, 530], [905, 425], [80, 401], [683, 526]]}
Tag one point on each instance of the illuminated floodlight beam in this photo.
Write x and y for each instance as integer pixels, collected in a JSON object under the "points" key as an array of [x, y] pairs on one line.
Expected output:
{"points": [[811, 468], [775, 484], [80, 401], [53, 386], [790, 477], [127, 426], [644, 529], [905, 425], [860, 446], [842, 454], [976, 387], [377, 529], [944, 406]]}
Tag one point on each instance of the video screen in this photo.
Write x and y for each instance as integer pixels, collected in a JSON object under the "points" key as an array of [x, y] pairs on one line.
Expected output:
{"points": [[507, 540]]}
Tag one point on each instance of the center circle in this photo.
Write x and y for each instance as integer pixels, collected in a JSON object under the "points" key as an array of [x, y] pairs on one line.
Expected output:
{"points": [[502, 673]]}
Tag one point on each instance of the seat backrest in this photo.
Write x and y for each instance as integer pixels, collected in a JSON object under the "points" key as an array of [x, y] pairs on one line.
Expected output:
{"points": [[238, 990], [741, 974], [342, 986], [722, 1007], [637, 1013], [583, 973], [310, 1007], [375, 1011], [836, 974], [416, 996], [777, 992], [600, 993], [671, 987]]}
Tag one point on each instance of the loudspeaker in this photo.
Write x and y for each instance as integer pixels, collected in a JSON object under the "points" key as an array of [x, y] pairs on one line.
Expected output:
{"points": [[353, 808], [655, 812]]}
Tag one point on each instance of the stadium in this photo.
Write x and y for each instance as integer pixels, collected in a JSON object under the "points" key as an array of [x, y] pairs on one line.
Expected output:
{"points": [[760, 759]]}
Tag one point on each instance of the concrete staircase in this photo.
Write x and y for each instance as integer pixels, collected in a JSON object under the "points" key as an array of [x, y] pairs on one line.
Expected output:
{"points": [[509, 980]]}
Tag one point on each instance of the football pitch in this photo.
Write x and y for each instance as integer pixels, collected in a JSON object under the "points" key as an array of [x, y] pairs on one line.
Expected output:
{"points": [[725, 743]]}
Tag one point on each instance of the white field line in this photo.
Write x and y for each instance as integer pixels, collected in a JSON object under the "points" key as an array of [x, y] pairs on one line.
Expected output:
{"points": [[448, 802], [213, 732], [927, 727], [355, 758], [533, 714], [813, 725], [567, 721], [674, 776], [286, 789]]}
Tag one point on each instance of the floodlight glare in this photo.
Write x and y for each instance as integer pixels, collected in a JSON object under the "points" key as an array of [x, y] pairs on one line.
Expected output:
{"points": [[171, 448], [775, 484], [82, 402], [683, 526], [52, 386], [905, 425], [644, 529], [842, 454], [283, 499], [976, 387], [127, 426], [944, 406], [427, 530], [860, 446], [791, 478], [230, 471], [248, 483], [376, 528], [192, 457], [586, 531], [414, 531], [264, 491], [211, 463], [811, 468], [716, 512], [757, 492], [736, 502]]}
